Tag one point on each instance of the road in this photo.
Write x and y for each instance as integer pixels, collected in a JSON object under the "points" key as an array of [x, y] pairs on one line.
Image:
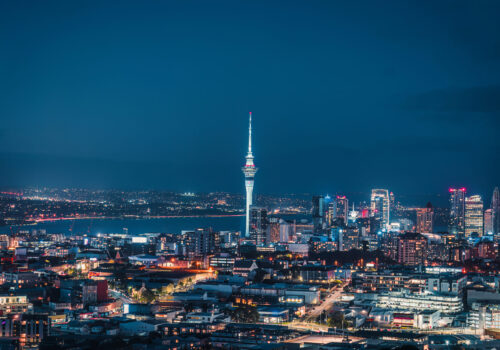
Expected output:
{"points": [[325, 305], [307, 326], [322, 339], [309, 321], [119, 295]]}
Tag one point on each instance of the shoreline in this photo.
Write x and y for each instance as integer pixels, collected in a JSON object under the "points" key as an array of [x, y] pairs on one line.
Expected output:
{"points": [[131, 217]]}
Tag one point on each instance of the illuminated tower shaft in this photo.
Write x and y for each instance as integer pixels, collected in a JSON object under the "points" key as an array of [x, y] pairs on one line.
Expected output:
{"points": [[249, 171]]}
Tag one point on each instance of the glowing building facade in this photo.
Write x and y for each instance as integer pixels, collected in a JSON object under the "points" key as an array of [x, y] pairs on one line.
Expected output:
{"points": [[473, 216], [380, 206], [457, 211]]}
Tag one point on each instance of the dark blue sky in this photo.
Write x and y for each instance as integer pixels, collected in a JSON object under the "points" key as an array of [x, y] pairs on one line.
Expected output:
{"points": [[346, 95]]}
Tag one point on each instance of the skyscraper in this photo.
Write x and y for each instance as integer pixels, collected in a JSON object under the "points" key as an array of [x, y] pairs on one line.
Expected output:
{"points": [[412, 249], [457, 211], [341, 208], [249, 171], [424, 219], [287, 230], [380, 206], [273, 230], [495, 211], [473, 215], [488, 222], [258, 225], [318, 212], [330, 212]]}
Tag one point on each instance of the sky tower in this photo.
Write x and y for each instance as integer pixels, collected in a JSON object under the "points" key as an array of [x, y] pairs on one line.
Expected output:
{"points": [[249, 171]]}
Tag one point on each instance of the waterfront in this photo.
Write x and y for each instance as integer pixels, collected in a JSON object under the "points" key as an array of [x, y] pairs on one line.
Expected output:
{"points": [[134, 226]]}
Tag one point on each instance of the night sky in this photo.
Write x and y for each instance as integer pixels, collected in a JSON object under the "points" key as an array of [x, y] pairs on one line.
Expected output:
{"points": [[346, 95]]}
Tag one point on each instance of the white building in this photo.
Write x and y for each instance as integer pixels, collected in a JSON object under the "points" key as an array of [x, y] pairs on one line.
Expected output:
{"points": [[447, 284], [15, 304], [484, 316], [427, 319], [447, 304]]}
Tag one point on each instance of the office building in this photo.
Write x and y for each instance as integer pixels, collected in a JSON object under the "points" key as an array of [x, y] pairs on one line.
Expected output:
{"points": [[488, 222], [412, 249], [258, 225], [447, 304], [202, 242], [380, 206], [318, 212], [425, 219], [348, 238], [330, 212], [341, 208], [495, 211], [484, 316], [473, 216], [273, 230], [457, 211], [287, 231]]}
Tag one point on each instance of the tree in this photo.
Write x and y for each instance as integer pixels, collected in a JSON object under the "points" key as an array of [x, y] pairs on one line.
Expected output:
{"points": [[337, 320], [147, 296], [244, 314], [168, 289]]}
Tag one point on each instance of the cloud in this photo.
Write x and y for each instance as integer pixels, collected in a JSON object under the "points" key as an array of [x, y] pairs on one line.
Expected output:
{"points": [[483, 99]]}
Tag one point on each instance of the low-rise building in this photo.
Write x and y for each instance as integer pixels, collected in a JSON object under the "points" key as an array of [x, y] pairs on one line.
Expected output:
{"points": [[15, 304], [273, 314], [447, 304], [317, 273], [484, 316]]}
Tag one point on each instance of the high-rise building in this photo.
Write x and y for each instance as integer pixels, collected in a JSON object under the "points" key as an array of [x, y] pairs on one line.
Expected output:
{"points": [[318, 212], [273, 230], [249, 170], [330, 212], [488, 222], [380, 206], [495, 211], [341, 208], [287, 230], [202, 242], [258, 225], [473, 215], [412, 249], [348, 238], [457, 211], [392, 204], [424, 219]]}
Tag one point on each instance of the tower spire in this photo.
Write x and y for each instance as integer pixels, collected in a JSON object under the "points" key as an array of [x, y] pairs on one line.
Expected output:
{"points": [[250, 134]]}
